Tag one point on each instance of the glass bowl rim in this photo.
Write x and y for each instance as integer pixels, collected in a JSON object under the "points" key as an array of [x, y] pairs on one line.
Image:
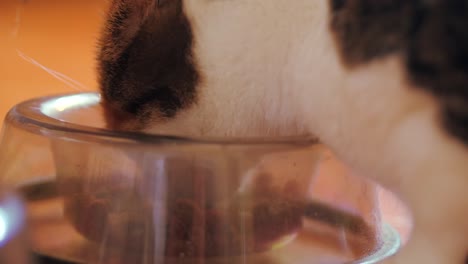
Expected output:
{"points": [[30, 115]]}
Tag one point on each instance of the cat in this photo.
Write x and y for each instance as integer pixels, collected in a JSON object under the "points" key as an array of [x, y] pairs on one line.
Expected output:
{"points": [[384, 83]]}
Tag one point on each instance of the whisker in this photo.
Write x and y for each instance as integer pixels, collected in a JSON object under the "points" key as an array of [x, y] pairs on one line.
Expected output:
{"points": [[80, 85], [19, 12], [57, 75]]}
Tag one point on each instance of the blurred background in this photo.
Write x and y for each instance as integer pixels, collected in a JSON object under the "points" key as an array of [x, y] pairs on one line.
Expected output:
{"points": [[43, 41]]}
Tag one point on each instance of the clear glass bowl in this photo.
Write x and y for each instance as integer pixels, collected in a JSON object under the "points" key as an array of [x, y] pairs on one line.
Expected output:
{"points": [[99, 196]]}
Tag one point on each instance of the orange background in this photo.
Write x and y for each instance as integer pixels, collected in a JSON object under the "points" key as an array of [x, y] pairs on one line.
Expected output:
{"points": [[58, 34]]}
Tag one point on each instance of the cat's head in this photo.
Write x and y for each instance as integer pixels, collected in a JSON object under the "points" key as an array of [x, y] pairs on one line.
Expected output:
{"points": [[237, 59]]}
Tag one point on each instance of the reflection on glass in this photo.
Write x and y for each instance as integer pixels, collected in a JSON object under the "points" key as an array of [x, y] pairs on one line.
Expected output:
{"points": [[13, 240]]}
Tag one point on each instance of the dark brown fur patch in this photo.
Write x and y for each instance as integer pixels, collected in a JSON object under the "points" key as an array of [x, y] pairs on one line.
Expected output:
{"points": [[368, 29], [151, 76], [431, 35]]}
